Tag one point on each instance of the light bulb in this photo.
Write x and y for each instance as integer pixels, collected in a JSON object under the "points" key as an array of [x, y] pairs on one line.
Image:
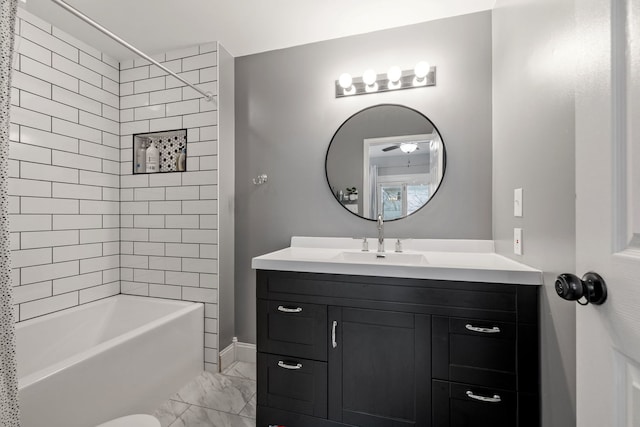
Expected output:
{"points": [[345, 80], [408, 147], [394, 74], [422, 69], [369, 77]]}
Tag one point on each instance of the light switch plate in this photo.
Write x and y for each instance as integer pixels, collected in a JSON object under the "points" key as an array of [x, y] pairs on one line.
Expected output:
{"points": [[517, 241], [517, 202]]}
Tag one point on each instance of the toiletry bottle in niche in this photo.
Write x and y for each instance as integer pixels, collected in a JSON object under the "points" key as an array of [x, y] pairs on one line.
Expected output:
{"points": [[181, 161], [153, 158], [141, 157]]}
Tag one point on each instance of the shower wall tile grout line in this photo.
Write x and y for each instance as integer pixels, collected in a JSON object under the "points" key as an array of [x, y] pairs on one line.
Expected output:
{"points": [[64, 179], [83, 227]]}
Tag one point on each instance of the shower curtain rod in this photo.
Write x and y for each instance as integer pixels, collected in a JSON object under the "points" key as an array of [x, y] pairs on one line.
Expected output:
{"points": [[207, 95]]}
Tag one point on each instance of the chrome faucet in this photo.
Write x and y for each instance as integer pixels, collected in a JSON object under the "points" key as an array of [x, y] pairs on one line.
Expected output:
{"points": [[380, 236]]}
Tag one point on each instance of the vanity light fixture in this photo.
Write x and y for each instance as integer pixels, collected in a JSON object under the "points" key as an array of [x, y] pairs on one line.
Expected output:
{"points": [[395, 78], [408, 147]]}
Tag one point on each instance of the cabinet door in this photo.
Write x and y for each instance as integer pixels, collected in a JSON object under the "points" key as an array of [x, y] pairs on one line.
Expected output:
{"points": [[379, 368]]}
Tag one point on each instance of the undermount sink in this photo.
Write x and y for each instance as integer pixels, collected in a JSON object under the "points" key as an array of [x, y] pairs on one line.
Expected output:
{"points": [[400, 258]]}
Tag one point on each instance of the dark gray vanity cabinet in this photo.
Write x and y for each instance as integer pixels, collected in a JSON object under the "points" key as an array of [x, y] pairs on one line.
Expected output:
{"points": [[337, 350]]}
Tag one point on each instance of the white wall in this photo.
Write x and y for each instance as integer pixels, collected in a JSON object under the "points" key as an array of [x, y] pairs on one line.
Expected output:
{"points": [[169, 235], [534, 149], [64, 171], [80, 221]]}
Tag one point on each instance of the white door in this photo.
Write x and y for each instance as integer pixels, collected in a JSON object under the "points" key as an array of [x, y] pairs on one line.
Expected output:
{"points": [[608, 210]]}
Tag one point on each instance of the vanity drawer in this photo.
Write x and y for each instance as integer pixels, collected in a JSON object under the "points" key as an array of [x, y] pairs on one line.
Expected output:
{"points": [[293, 329], [292, 384], [463, 405], [475, 352]]}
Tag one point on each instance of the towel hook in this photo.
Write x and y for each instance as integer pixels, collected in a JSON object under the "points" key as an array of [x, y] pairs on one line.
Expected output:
{"points": [[260, 179]]}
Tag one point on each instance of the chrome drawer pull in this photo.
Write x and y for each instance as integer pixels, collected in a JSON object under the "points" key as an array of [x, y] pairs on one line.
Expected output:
{"points": [[334, 343], [287, 366], [284, 309], [495, 399], [494, 330]]}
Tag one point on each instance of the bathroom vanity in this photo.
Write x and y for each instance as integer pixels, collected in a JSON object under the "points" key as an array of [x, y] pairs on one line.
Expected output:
{"points": [[443, 334]]}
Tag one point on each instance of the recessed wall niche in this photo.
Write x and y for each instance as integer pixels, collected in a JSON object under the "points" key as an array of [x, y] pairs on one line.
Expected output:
{"points": [[169, 152]]}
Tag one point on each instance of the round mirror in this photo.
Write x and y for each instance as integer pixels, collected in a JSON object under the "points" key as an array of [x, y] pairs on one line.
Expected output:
{"points": [[386, 159]]}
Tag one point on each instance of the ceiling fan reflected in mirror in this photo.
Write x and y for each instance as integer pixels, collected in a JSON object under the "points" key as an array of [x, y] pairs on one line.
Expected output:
{"points": [[405, 147]]}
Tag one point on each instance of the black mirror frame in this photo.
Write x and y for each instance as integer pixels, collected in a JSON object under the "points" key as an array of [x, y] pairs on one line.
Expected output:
{"points": [[444, 160]]}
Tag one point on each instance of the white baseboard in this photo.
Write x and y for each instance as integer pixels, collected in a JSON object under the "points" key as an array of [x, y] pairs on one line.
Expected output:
{"points": [[237, 352], [227, 356], [245, 352]]}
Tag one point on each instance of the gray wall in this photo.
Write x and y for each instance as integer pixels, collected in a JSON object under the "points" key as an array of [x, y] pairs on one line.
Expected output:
{"points": [[533, 148], [286, 114]]}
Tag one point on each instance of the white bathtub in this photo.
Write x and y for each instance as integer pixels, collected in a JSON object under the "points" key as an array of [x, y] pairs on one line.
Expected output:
{"points": [[113, 357]]}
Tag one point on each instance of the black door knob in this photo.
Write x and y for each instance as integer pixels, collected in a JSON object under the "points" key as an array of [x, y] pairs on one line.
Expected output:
{"points": [[590, 289]]}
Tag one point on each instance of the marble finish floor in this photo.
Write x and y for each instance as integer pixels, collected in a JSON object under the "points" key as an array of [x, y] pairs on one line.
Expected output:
{"points": [[214, 400]]}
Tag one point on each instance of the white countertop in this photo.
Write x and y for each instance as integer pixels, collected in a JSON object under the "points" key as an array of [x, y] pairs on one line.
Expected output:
{"points": [[438, 259]]}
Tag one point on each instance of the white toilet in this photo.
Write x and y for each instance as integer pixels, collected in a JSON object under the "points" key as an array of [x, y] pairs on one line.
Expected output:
{"points": [[137, 420]]}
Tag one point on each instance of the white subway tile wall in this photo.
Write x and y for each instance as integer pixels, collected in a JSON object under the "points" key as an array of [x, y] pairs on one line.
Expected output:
{"points": [[168, 238], [62, 186], [85, 228]]}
